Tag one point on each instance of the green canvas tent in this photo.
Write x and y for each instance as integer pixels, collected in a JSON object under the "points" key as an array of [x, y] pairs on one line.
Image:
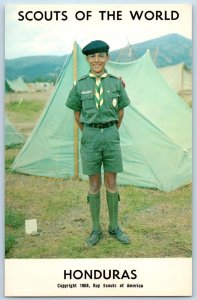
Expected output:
{"points": [[155, 133], [12, 137]]}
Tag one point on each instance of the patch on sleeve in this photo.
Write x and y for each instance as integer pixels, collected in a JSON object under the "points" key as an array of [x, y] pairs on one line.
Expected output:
{"points": [[123, 83]]}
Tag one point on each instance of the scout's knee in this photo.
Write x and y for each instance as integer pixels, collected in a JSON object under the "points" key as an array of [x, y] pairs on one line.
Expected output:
{"points": [[94, 187], [110, 184]]}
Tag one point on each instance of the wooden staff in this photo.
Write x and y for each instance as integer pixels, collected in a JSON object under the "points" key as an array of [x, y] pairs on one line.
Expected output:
{"points": [[76, 135]]}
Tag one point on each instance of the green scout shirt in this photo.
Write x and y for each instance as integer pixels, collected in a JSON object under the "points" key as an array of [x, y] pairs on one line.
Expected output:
{"points": [[82, 99]]}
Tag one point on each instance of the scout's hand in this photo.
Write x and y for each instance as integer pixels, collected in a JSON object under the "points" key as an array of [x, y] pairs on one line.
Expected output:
{"points": [[77, 117], [120, 117]]}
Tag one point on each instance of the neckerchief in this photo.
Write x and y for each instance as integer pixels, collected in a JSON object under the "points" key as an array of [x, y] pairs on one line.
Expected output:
{"points": [[98, 88]]}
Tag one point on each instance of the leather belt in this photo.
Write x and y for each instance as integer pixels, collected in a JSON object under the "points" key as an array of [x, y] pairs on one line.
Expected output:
{"points": [[102, 125]]}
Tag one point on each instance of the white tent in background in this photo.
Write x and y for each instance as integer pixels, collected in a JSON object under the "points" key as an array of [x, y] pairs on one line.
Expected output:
{"points": [[178, 77], [17, 85]]}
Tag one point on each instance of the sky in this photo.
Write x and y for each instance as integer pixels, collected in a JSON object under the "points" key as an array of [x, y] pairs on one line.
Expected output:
{"points": [[115, 26]]}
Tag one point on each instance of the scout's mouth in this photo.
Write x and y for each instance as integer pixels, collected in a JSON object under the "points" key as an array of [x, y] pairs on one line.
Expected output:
{"points": [[97, 66]]}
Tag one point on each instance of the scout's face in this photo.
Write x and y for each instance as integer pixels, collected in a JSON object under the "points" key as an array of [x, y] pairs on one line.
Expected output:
{"points": [[97, 62]]}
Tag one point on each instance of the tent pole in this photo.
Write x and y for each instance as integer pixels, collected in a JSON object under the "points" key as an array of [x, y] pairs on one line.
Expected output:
{"points": [[76, 150]]}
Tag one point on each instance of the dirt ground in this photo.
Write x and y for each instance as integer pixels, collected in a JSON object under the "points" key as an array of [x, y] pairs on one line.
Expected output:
{"points": [[42, 95]]}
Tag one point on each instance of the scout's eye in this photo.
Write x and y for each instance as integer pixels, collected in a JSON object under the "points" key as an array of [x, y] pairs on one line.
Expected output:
{"points": [[91, 55], [102, 54]]}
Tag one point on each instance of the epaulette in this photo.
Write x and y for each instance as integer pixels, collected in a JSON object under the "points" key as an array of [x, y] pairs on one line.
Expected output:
{"points": [[119, 78], [83, 77], [112, 75]]}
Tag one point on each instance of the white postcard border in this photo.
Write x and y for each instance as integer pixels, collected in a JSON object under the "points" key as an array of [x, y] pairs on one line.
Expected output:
{"points": [[94, 277]]}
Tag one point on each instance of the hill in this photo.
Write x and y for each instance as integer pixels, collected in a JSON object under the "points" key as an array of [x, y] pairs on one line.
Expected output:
{"points": [[166, 50], [34, 68]]}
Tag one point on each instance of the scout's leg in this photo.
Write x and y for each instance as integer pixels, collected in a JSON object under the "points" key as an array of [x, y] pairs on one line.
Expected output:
{"points": [[113, 198], [94, 183], [94, 202]]}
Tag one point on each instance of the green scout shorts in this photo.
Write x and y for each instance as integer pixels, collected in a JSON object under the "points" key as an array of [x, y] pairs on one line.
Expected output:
{"points": [[100, 147]]}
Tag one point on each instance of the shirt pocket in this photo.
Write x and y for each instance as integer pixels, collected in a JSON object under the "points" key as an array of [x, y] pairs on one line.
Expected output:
{"points": [[88, 101], [113, 98]]}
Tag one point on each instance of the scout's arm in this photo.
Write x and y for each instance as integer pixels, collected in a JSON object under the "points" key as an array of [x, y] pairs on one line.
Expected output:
{"points": [[120, 117], [77, 117], [123, 102], [74, 103]]}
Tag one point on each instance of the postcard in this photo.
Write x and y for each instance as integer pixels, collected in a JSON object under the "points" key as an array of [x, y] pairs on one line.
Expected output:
{"points": [[98, 149]]}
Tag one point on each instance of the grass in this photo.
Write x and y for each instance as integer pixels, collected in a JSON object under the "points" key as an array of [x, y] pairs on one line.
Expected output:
{"points": [[13, 221], [158, 223], [9, 242], [24, 114], [19, 109]]}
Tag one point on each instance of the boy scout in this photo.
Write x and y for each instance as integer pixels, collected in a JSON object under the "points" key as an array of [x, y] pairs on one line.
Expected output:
{"points": [[98, 100]]}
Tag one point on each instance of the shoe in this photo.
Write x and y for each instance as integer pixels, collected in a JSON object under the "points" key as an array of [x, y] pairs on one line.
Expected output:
{"points": [[119, 235], [94, 237]]}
